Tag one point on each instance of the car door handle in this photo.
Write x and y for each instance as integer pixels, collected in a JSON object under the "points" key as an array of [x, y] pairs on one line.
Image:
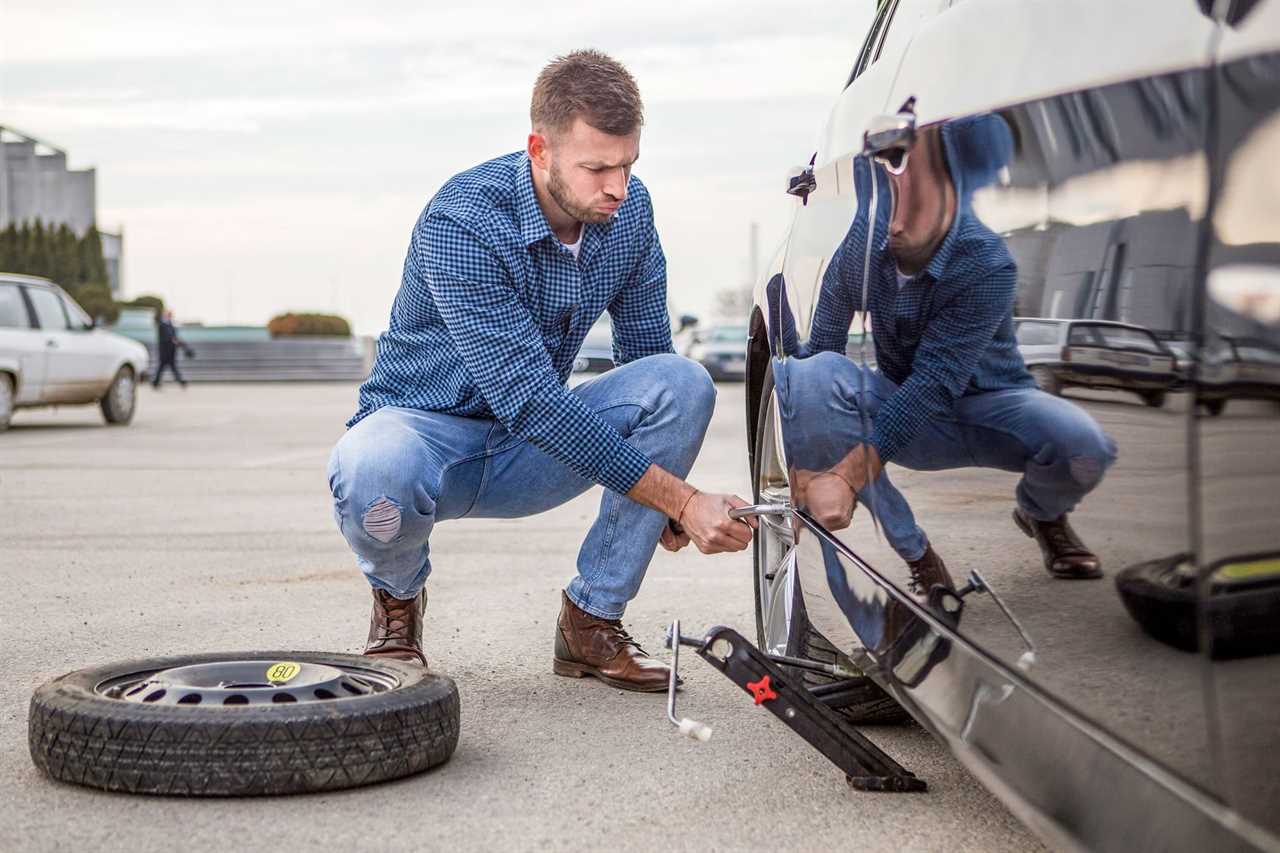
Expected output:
{"points": [[760, 509]]}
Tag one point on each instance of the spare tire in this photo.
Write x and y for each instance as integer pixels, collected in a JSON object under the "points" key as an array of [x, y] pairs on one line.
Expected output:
{"points": [[243, 724]]}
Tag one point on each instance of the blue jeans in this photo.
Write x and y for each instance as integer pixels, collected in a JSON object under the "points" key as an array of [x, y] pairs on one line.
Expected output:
{"points": [[1061, 452], [399, 471]]}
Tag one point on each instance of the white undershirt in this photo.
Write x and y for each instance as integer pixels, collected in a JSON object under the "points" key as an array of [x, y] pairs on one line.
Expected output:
{"points": [[903, 278], [576, 244]]}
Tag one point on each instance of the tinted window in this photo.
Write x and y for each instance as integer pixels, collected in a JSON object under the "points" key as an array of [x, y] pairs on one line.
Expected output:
{"points": [[873, 39], [1113, 337], [13, 313], [1035, 334], [49, 313]]}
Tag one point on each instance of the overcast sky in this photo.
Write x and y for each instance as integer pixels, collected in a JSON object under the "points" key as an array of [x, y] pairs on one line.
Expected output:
{"points": [[264, 157]]}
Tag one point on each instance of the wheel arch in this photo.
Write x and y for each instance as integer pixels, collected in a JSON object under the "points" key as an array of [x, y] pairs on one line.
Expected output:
{"points": [[757, 368]]}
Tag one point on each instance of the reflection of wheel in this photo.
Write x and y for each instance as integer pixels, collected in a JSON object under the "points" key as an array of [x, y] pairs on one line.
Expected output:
{"points": [[6, 400], [243, 724], [782, 625], [1154, 399], [1214, 407], [1046, 380], [121, 398]]}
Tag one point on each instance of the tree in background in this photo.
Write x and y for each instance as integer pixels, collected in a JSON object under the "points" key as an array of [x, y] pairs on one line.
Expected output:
{"points": [[56, 253], [154, 303], [291, 325]]}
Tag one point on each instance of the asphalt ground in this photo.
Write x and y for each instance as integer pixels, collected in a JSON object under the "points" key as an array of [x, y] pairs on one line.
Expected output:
{"points": [[206, 526]]}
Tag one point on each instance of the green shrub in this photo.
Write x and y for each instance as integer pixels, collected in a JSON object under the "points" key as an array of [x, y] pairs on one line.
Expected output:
{"points": [[155, 303], [294, 325]]}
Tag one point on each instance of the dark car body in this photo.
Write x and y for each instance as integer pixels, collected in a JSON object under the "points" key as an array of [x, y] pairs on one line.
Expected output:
{"points": [[1140, 189]]}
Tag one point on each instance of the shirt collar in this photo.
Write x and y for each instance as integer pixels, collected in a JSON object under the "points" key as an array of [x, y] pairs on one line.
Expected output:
{"points": [[533, 224], [942, 257]]}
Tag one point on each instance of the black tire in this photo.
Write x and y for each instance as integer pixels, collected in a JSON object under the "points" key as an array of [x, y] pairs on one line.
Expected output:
{"points": [[8, 391], [1215, 407], [78, 735], [121, 399], [1154, 399], [875, 706]]}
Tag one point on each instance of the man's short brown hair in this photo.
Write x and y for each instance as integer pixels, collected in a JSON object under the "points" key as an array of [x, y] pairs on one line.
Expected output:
{"points": [[590, 85]]}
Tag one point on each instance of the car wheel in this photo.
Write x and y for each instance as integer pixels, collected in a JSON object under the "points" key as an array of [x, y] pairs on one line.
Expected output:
{"points": [[243, 724], [1047, 382], [1154, 399], [782, 625], [6, 401], [1215, 407], [121, 398]]}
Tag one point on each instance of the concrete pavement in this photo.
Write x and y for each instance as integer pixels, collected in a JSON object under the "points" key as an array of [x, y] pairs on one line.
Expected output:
{"points": [[206, 526]]}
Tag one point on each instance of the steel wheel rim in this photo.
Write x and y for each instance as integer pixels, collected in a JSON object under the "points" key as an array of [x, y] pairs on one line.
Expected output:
{"points": [[775, 549], [245, 683], [123, 393]]}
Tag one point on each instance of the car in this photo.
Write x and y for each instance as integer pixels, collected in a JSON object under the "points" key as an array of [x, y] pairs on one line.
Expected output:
{"points": [[1128, 168], [51, 353], [722, 350], [596, 354], [1096, 354]]}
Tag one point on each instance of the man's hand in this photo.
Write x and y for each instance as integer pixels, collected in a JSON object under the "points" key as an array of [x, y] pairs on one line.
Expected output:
{"points": [[706, 521], [704, 518], [826, 496], [671, 540]]}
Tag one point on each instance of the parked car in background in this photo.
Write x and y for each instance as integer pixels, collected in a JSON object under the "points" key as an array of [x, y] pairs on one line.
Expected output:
{"points": [[596, 354], [51, 354], [1096, 354], [722, 350]]}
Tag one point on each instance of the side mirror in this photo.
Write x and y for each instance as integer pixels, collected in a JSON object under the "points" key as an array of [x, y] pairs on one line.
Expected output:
{"points": [[891, 132], [686, 321]]}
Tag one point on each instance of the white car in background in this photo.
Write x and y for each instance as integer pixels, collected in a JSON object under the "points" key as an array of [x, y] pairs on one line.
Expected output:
{"points": [[51, 354]]}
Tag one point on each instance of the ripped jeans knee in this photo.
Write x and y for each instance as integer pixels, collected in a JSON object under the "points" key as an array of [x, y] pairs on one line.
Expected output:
{"points": [[381, 519]]}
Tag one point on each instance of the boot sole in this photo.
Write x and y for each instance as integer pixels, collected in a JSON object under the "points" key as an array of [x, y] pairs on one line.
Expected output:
{"points": [[569, 669], [1064, 576]]}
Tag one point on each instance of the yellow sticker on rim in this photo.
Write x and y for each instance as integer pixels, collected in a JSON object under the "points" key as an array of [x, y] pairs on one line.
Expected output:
{"points": [[279, 673]]}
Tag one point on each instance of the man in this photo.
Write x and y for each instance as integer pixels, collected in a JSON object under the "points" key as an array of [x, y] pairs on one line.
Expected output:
{"points": [[950, 390], [466, 412], [167, 343]]}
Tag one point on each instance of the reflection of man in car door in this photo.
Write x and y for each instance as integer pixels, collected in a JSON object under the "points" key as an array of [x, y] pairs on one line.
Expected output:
{"points": [[950, 389], [467, 412]]}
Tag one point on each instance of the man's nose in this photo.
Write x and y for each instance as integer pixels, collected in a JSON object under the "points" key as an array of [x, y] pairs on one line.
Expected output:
{"points": [[616, 185]]}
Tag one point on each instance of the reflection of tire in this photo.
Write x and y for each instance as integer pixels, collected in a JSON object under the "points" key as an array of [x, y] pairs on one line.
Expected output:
{"points": [[391, 719], [121, 399], [1045, 379], [6, 400], [1154, 399], [794, 636], [1215, 407]]}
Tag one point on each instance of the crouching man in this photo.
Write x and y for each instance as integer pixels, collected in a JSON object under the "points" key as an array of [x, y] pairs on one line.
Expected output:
{"points": [[467, 413]]}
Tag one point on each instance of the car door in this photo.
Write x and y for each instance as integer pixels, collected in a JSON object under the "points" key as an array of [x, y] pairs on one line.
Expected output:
{"points": [[1237, 421], [22, 347], [1088, 172], [89, 354], [60, 376]]}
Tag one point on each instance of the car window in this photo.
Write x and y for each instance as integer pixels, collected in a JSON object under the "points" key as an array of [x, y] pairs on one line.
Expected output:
{"points": [[873, 40], [729, 333], [13, 311], [908, 15], [79, 319], [49, 312], [1035, 334], [1113, 337]]}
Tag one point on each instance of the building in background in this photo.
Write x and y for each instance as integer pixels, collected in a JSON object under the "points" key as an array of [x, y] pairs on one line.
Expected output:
{"points": [[36, 185]]}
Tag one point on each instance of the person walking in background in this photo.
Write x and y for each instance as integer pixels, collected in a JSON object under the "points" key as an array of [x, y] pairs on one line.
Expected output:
{"points": [[167, 343]]}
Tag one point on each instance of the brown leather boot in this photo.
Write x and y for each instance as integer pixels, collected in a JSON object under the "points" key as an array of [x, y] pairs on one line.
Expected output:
{"points": [[395, 627], [1065, 556], [589, 645], [927, 572]]}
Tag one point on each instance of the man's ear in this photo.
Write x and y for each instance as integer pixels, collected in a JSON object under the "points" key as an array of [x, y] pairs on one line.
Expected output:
{"points": [[538, 153]]}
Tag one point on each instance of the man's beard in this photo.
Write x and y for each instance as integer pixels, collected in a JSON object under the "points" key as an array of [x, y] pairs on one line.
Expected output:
{"points": [[562, 196]]}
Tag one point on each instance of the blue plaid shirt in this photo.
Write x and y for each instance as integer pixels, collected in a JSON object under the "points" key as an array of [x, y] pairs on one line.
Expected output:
{"points": [[946, 333], [493, 309]]}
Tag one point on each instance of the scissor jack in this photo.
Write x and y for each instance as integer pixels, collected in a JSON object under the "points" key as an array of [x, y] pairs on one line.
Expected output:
{"points": [[805, 711]]}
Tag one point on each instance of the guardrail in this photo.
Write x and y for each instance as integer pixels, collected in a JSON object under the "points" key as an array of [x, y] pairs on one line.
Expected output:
{"points": [[283, 359]]}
